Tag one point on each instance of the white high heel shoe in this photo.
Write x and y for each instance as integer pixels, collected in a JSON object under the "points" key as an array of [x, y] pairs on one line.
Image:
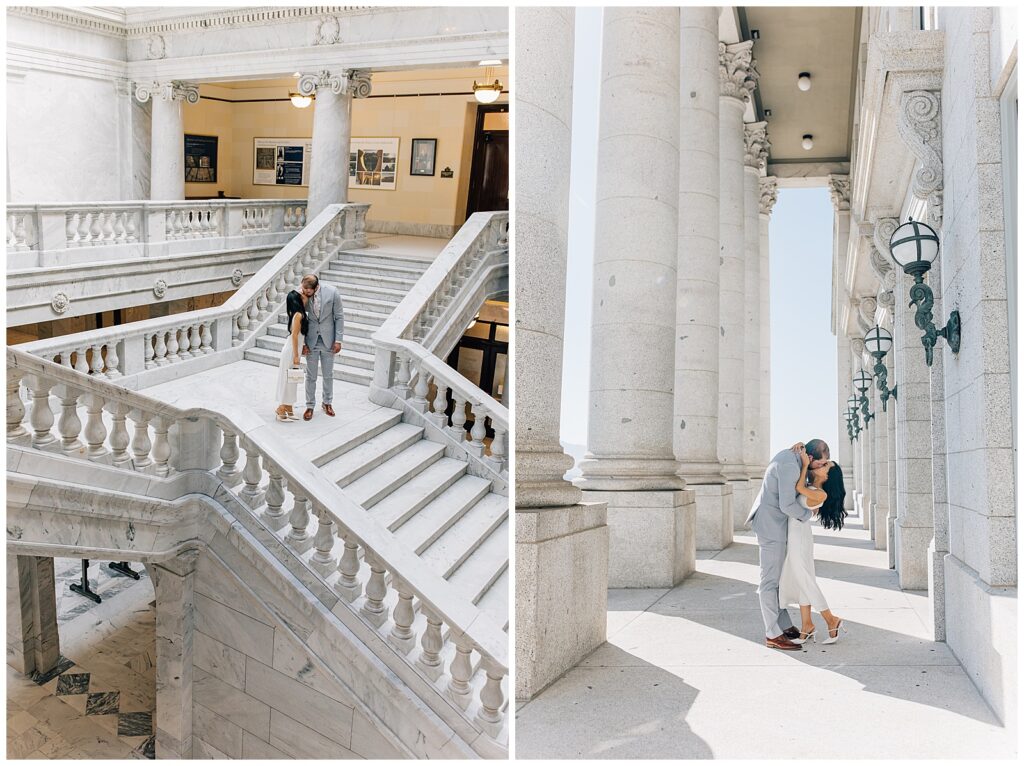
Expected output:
{"points": [[833, 639], [805, 637]]}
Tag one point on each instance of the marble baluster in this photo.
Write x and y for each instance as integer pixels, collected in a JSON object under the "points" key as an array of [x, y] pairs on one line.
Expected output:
{"points": [[41, 417], [69, 425], [431, 643], [298, 538], [347, 585], [141, 444], [323, 560], [16, 431]]}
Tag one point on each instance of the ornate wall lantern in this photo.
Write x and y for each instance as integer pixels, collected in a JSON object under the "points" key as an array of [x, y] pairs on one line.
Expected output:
{"points": [[862, 382], [851, 410], [914, 246], [878, 341]]}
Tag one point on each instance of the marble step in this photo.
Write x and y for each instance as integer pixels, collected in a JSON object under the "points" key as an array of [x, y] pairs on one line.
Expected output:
{"points": [[467, 534], [484, 565], [362, 316], [342, 371], [377, 484], [495, 600], [406, 501], [438, 516], [344, 274], [382, 263], [360, 460], [371, 289], [351, 435], [352, 353], [368, 303], [353, 330]]}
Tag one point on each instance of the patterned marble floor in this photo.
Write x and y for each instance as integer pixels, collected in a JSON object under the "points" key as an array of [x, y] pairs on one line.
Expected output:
{"points": [[100, 701]]}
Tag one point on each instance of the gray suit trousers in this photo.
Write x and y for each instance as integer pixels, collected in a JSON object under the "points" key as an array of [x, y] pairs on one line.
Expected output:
{"points": [[321, 355], [773, 555]]}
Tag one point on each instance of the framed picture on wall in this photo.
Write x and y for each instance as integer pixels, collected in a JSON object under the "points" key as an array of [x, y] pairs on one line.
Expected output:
{"points": [[200, 159], [424, 152], [373, 163], [281, 161]]}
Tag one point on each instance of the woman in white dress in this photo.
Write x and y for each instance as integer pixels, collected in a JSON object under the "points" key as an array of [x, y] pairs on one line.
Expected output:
{"points": [[822, 491], [295, 304]]}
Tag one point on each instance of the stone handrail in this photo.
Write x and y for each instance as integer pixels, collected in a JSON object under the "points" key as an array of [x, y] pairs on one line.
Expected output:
{"points": [[428, 321], [197, 340], [350, 552], [54, 234]]}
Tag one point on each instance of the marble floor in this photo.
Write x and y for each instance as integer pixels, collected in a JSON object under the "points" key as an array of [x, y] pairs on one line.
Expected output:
{"points": [[426, 248], [101, 701], [685, 674]]}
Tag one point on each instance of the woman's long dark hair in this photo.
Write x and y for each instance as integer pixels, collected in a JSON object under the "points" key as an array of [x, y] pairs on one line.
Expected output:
{"points": [[832, 513], [295, 306]]}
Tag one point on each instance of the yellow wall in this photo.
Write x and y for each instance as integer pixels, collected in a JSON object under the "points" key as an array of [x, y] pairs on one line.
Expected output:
{"points": [[417, 199]]}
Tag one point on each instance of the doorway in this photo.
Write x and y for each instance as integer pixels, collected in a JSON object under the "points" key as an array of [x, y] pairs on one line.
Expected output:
{"points": [[488, 181]]}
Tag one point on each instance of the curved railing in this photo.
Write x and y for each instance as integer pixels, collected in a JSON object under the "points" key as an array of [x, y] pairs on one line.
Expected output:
{"points": [[135, 348], [458, 648], [427, 324]]}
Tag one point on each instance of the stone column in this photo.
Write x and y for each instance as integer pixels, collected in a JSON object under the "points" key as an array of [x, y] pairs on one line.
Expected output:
{"points": [[33, 643], [881, 469], [737, 80], [561, 544], [755, 159], [332, 133], [173, 583], [839, 191], [867, 432], [630, 463], [844, 452], [856, 480], [769, 194], [695, 425], [167, 171]]}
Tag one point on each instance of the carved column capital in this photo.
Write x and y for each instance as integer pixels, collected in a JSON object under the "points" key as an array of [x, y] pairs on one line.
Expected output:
{"points": [[839, 190], [176, 90], [737, 70], [769, 194], [352, 82], [920, 127], [756, 145]]}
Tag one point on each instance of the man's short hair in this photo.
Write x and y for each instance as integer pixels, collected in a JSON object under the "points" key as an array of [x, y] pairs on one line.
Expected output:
{"points": [[310, 280], [817, 448]]}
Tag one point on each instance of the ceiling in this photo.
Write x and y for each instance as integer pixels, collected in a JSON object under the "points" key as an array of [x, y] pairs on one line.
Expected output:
{"points": [[823, 42]]}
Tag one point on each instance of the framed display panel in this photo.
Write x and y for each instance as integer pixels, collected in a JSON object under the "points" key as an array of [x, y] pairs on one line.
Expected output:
{"points": [[423, 156], [200, 159], [373, 163], [281, 161]]}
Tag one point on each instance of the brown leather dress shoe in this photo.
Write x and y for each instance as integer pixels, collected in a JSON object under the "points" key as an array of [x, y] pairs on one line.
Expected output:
{"points": [[791, 633], [308, 414], [329, 410], [781, 642]]}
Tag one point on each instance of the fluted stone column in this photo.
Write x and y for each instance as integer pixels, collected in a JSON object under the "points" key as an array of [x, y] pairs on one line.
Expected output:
{"points": [[856, 480], [880, 471], [167, 150], [561, 544], [630, 463], [865, 489], [844, 452], [737, 80], [755, 159], [769, 194], [332, 133], [695, 425], [839, 191]]}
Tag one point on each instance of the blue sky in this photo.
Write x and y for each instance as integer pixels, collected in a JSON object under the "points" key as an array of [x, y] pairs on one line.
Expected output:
{"points": [[803, 347]]}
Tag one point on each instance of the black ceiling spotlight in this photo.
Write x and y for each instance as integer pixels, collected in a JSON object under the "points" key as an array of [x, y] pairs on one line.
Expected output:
{"points": [[767, 112], [755, 34]]}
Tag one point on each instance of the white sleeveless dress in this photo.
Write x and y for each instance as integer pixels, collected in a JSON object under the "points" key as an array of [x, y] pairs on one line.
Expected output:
{"points": [[286, 392], [797, 584]]}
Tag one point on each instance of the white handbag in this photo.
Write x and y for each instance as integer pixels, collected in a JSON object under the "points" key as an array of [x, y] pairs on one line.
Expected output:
{"points": [[295, 375]]}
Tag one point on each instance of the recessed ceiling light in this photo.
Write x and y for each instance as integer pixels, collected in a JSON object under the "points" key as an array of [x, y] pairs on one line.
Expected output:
{"points": [[807, 142], [803, 81], [490, 62]]}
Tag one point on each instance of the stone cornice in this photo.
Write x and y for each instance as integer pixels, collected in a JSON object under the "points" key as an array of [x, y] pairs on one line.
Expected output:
{"points": [[74, 18], [756, 145], [737, 70], [769, 194]]}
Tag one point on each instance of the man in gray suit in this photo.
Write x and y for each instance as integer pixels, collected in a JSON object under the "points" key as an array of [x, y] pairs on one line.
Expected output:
{"points": [[769, 517], [323, 339]]}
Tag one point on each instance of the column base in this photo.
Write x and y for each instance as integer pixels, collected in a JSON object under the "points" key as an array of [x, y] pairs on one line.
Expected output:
{"points": [[742, 498], [714, 515], [652, 541], [561, 591], [912, 555], [890, 538], [879, 531], [610, 474]]}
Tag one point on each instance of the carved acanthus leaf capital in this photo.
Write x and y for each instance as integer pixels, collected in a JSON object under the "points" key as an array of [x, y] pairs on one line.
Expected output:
{"points": [[769, 194], [352, 82], [176, 90], [737, 70], [839, 190], [920, 127], [756, 145]]}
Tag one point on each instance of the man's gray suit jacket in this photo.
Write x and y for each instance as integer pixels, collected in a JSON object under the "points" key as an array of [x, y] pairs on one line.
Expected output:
{"points": [[329, 324], [778, 499]]}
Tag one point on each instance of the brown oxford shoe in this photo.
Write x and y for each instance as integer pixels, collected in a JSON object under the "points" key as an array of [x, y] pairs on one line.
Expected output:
{"points": [[791, 633], [781, 642], [308, 414], [329, 410]]}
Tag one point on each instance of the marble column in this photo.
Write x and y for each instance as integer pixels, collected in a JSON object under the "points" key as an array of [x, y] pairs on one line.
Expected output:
{"points": [[839, 191], [755, 159], [561, 543], [866, 490], [167, 150], [844, 452], [880, 428], [769, 188], [630, 462], [737, 80], [856, 479], [33, 642], [697, 279], [173, 583], [332, 133]]}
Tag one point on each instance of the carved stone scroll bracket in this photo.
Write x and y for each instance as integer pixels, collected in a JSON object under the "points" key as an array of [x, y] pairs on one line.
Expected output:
{"points": [[920, 127], [883, 231]]}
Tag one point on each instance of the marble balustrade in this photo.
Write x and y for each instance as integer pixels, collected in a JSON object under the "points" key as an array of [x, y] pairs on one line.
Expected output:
{"points": [[413, 609], [55, 234], [137, 347]]}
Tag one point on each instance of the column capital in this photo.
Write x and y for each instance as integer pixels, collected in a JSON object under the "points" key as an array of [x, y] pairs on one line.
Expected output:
{"points": [[737, 70], [351, 82], [175, 90], [839, 190], [756, 145], [769, 194]]}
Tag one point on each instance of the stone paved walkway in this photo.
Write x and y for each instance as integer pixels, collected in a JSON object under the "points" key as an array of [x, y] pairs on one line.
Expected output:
{"points": [[685, 674]]}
